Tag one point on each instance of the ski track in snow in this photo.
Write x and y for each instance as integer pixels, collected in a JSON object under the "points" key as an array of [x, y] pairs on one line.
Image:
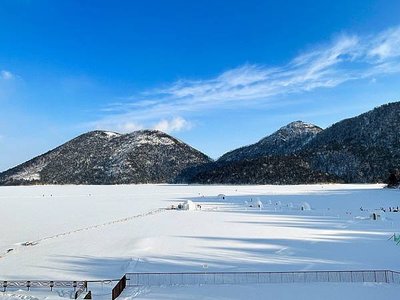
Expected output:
{"points": [[156, 211], [127, 219]]}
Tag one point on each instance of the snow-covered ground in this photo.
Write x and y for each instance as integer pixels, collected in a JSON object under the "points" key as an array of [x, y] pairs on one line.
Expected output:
{"points": [[312, 291], [102, 232]]}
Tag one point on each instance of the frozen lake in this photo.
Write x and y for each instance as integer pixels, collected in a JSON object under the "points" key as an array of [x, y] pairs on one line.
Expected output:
{"points": [[102, 232]]}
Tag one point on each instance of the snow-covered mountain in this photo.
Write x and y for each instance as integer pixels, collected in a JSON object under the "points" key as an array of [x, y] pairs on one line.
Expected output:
{"points": [[272, 160], [101, 157], [365, 148], [361, 149], [287, 140]]}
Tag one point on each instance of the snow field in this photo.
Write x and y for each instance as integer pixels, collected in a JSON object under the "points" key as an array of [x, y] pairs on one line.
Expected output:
{"points": [[311, 291], [102, 232]]}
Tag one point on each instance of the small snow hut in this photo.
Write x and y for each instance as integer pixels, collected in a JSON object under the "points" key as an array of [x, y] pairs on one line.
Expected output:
{"points": [[258, 203], [305, 206], [187, 205]]}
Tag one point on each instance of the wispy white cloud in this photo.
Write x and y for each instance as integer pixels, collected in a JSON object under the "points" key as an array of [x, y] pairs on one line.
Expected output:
{"points": [[386, 45], [121, 125], [346, 58], [6, 75], [174, 125]]}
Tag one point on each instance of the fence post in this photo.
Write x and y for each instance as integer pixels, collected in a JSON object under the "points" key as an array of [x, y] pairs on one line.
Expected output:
{"points": [[120, 286]]}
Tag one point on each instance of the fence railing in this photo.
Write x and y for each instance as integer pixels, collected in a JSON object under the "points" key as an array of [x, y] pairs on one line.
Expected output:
{"points": [[205, 278], [78, 286]]}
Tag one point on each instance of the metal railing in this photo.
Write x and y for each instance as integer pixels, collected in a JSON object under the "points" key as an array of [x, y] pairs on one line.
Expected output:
{"points": [[78, 286], [206, 278]]}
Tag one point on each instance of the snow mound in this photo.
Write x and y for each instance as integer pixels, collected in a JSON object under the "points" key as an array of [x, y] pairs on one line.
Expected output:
{"points": [[189, 205]]}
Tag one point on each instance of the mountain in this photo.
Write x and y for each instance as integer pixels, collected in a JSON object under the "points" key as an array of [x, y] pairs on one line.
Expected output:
{"points": [[287, 140], [101, 157], [363, 149], [272, 160], [360, 149]]}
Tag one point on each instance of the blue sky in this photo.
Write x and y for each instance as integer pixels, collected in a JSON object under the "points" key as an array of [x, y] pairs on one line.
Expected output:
{"points": [[216, 74]]}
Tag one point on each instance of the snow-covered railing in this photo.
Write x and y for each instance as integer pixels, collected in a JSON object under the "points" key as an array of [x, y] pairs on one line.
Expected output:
{"points": [[197, 278], [78, 286]]}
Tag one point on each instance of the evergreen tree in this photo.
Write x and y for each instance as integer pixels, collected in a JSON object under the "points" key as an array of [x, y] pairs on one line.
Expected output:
{"points": [[394, 178]]}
